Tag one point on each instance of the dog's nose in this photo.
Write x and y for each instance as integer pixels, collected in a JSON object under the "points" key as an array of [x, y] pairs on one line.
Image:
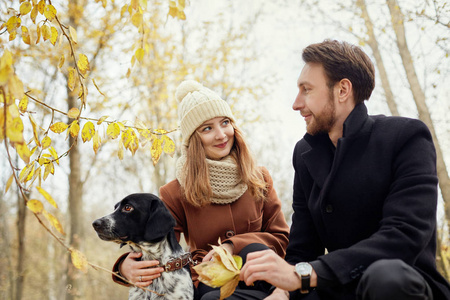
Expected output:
{"points": [[97, 224]]}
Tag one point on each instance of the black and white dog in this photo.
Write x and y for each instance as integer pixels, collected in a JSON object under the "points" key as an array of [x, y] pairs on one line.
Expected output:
{"points": [[144, 223]]}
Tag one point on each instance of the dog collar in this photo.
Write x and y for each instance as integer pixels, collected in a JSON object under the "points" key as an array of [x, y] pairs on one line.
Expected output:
{"points": [[178, 262]]}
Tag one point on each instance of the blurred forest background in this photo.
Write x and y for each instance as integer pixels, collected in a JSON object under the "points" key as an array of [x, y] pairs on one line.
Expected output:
{"points": [[88, 112]]}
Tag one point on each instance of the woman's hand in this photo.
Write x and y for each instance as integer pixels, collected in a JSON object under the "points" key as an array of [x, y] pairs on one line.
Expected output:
{"points": [[140, 273], [228, 246]]}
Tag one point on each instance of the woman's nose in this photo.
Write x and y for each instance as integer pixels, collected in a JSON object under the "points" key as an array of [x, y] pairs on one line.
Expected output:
{"points": [[220, 134]]}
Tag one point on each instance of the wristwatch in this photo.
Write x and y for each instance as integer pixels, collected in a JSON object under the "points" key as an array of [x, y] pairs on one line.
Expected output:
{"points": [[304, 271]]}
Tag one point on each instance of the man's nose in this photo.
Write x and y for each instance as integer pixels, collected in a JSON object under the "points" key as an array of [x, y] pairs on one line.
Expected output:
{"points": [[298, 103]]}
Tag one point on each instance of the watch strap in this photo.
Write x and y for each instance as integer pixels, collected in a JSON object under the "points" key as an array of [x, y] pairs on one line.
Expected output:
{"points": [[306, 284]]}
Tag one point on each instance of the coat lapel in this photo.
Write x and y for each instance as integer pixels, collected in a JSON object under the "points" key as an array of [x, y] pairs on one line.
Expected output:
{"points": [[320, 160]]}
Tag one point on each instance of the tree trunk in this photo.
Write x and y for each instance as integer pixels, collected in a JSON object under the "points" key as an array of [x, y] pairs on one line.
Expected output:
{"points": [[21, 218], [74, 276], [7, 286], [419, 98], [397, 19], [373, 43]]}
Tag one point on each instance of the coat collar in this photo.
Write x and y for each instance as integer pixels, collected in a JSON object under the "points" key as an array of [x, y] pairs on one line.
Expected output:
{"points": [[320, 158]]}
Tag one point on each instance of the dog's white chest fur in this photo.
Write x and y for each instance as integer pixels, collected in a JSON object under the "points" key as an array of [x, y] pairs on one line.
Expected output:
{"points": [[173, 285]]}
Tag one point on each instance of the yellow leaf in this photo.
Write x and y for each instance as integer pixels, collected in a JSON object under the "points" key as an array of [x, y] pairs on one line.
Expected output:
{"points": [[134, 144], [88, 131], [38, 32], [12, 24], [25, 8], [73, 34], [156, 150], [46, 142], [26, 35], [25, 172], [24, 152], [228, 288], [15, 87], [74, 128], [35, 206], [79, 260], [113, 130], [35, 126], [23, 104], [71, 79], [73, 113], [213, 273], [181, 15], [8, 183], [41, 6], [54, 221], [58, 127], [136, 19], [169, 145], [44, 159], [46, 33], [226, 258], [223, 271], [13, 111], [49, 169], [54, 154], [61, 61], [14, 131], [100, 121], [140, 54], [97, 142], [50, 12], [173, 12], [121, 150], [6, 67], [34, 13], [83, 64], [47, 196], [54, 35], [12, 35], [181, 4]]}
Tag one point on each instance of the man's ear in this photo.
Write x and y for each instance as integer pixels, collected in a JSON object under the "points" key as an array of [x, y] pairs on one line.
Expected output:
{"points": [[345, 90]]}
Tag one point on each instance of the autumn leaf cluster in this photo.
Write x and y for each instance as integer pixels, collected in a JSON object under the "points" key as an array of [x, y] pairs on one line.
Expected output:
{"points": [[222, 271]]}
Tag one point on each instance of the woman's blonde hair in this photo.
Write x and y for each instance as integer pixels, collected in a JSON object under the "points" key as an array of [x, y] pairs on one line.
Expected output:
{"points": [[197, 188]]}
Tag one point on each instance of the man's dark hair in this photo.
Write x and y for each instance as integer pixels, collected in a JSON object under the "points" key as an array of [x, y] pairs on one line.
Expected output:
{"points": [[343, 60]]}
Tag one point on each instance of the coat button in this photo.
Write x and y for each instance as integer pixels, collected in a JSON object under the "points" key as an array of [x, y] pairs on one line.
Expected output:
{"points": [[329, 208], [230, 233]]}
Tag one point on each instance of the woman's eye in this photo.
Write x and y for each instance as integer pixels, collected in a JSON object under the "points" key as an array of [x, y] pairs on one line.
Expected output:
{"points": [[127, 208], [226, 122]]}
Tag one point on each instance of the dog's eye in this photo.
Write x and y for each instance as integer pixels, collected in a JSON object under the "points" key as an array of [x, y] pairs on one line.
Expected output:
{"points": [[127, 208]]}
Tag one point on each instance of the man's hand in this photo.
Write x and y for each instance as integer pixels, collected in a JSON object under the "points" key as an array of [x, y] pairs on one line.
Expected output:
{"points": [[268, 266], [278, 294], [140, 273]]}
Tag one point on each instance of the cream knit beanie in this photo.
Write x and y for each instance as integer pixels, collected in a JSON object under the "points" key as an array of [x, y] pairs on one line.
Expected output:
{"points": [[198, 104]]}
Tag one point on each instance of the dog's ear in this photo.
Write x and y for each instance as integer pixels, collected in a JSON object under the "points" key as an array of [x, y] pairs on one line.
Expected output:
{"points": [[160, 221]]}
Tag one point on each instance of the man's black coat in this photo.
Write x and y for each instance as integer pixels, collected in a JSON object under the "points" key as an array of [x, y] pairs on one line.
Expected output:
{"points": [[372, 197]]}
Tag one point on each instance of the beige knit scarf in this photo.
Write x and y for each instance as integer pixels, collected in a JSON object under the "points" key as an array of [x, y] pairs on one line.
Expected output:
{"points": [[226, 183]]}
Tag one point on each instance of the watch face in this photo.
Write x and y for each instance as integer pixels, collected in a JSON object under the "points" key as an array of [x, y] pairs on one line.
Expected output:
{"points": [[303, 269]]}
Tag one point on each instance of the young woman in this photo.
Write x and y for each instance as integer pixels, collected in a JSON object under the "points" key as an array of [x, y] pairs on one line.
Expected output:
{"points": [[218, 193]]}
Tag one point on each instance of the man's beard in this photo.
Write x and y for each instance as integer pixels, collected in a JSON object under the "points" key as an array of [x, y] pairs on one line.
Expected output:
{"points": [[323, 122]]}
